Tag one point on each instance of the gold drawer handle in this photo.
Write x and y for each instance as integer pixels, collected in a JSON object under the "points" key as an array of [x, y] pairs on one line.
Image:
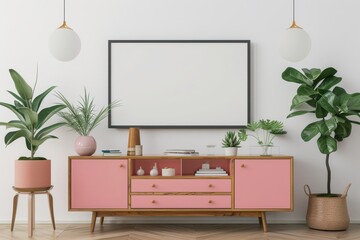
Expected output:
{"points": [[153, 201], [153, 185], [121, 165], [210, 185], [242, 165], [210, 201]]}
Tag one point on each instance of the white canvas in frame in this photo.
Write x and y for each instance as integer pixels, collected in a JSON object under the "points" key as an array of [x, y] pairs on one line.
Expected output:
{"points": [[190, 84]]}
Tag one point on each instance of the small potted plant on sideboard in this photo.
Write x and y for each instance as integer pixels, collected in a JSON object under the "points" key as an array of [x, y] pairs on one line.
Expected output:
{"points": [[83, 118], [265, 131], [32, 171], [334, 111], [232, 141]]}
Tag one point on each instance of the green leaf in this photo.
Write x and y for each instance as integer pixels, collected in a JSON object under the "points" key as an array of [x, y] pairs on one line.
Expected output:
{"points": [[340, 119], [18, 104], [14, 110], [253, 126], [20, 100], [31, 117], [311, 103], [343, 130], [298, 100], [327, 102], [339, 91], [298, 113], [46, 113], [320, 112], [12, 136], [324, 74], [354, 102], [24, 90], [28, 145], [329, 82], [292, 75], [306, 90], [328, 126], [13, 124], [37, 142], [327, 144], [242, 135], [312, 73], [38, 100], [43, 132], [310, 131], [341, 102]]}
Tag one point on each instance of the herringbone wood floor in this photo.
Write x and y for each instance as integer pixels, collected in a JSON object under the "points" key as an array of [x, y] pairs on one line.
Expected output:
{"points": [[177, 232]]}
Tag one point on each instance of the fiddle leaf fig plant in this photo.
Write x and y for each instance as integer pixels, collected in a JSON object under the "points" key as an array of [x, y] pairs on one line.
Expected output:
{"points": [[30, 122], [334, 108]]}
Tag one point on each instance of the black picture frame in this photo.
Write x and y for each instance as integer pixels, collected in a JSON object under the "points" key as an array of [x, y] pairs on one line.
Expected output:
{"points": [[139, 72]]}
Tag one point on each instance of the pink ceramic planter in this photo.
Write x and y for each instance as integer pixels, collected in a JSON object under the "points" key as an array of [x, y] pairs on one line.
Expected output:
{"points": [[32, 173], [85, 145]]}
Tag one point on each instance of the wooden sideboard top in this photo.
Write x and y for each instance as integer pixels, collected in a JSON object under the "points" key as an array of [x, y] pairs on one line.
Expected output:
{"points": [[183, 157]]}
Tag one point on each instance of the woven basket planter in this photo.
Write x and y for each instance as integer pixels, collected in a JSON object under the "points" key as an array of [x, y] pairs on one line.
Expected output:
{"points": [[327, 213]]}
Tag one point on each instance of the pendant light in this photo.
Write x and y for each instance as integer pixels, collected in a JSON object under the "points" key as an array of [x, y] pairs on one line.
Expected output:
{"points": [[295, 43], [64, 43]]}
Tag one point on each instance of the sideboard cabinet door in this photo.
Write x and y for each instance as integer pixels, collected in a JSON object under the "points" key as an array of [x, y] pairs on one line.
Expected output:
{"points": [[99, 183], [263, 184]]}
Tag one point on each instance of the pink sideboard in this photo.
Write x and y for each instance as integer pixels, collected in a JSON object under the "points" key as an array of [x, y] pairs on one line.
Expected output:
{"points": [[109, 186]]}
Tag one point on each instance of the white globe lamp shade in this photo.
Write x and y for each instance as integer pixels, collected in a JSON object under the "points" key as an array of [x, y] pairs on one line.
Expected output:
{"points": [[64, 44], [295, 44]]}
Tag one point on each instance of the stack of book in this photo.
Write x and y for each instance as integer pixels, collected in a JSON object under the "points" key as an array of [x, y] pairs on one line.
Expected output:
{"points": [[111, 152], [211, 172], [181, 152]]}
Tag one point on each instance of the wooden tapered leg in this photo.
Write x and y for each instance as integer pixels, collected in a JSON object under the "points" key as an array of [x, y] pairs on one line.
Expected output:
{"points": [[15, 202], [260, 220], [93, 221], [102, 220], [51, 207], [264, 224], [31, 214], [33, 211]]}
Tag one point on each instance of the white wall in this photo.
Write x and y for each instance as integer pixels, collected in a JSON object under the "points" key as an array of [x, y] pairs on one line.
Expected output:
{"points": [[332, 24]]}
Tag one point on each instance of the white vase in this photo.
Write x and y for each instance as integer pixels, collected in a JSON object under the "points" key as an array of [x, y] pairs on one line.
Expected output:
{"points": [[154, 171], [85, 145], [231, 151], [140, 171]]}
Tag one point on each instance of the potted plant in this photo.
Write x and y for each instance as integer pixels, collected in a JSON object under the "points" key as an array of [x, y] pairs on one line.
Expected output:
{"points": [[32, 171], [334, 110], [265, 131], [232, 141], [83, 118]]}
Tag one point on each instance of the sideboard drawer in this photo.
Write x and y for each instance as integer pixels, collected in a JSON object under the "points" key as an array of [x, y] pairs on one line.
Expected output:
{"points": [[181, 185], [180, 201]]}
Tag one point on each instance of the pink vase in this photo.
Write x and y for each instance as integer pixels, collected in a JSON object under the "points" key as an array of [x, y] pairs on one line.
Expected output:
{"points": [[32, 173], [85, 145]]}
